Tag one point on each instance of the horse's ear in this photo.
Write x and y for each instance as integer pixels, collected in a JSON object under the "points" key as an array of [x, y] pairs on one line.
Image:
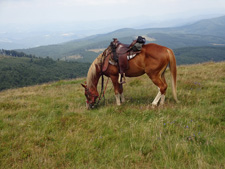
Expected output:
{"points": [[83, 85]]}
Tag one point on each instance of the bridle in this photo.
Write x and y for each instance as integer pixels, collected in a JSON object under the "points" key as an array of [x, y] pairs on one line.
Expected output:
{"points": [[89, 94]]}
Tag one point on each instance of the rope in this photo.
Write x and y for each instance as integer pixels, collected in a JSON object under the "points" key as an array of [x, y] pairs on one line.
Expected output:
{"points": [[105, 88]]}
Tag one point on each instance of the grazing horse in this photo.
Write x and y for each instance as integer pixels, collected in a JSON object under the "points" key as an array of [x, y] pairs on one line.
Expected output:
{"points": [[153, 60]]}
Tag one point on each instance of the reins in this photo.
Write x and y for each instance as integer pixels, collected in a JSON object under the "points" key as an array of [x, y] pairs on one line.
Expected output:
{"points": [[102, 94]]}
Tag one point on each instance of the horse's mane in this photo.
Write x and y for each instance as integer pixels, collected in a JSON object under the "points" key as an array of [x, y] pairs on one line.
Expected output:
{"points": [[92, 70]]}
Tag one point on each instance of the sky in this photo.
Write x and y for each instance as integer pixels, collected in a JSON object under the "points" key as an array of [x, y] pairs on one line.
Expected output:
{"points": [[29, 23], [53, 11]]}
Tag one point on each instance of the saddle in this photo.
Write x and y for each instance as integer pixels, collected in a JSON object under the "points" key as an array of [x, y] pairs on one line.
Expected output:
{"points": [[122, 51]]}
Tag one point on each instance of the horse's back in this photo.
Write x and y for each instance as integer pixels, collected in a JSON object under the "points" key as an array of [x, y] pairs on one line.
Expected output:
{"points": [[155, 50], [152, 57], [155, 54]]}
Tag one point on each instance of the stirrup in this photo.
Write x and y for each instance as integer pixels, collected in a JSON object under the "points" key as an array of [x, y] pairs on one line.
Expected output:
{"points": [[121, 77]]}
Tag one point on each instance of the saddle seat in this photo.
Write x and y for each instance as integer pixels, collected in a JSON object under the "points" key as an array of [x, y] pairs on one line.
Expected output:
{"points": [[122, 48]]}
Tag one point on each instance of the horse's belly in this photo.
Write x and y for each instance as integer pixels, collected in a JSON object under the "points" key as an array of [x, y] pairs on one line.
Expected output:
{"points": [[136, 67], [134, 72]]}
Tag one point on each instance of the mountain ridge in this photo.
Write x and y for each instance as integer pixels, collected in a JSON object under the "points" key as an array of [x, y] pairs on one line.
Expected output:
{"points": [[202, 33]]}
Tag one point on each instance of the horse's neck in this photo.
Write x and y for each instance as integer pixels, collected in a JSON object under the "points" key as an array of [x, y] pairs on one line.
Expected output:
{"points": [[95, 80], [94, 74]]}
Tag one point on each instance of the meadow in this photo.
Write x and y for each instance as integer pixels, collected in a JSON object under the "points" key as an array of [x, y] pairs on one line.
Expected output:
{"points": [[48, 126]]}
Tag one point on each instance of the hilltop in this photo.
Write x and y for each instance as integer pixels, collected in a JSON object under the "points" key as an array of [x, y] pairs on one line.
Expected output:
{"points": [[47, 126]]}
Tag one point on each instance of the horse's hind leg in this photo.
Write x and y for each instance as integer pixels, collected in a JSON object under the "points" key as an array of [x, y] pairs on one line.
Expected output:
{"points": [[157, 98], [159, 80], [162, 100]]}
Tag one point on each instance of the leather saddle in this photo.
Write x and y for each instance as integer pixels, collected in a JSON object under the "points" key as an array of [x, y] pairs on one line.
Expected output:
{"points": [[120, 53]]}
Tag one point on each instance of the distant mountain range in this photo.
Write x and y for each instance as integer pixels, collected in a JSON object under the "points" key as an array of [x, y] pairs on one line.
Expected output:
{"points": [[208, 32]]}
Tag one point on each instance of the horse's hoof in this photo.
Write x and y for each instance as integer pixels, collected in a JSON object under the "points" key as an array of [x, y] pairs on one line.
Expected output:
{"points": [[161, 105], [178, 101], [154, 106], [118, 103]]}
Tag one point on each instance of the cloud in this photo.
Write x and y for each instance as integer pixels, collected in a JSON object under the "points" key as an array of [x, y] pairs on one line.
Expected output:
{"points": [[92, 2], [67, 34], [47, 11]]}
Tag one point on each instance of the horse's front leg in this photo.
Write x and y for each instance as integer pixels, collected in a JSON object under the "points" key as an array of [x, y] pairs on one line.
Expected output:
{"points": [[118, 89], [122, 96], [118, 102]]}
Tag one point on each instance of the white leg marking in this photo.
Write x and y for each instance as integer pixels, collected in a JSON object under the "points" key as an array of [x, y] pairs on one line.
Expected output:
{"points": [[118, 99], [157, 98], [122, 98], [162, 99], [87, 106]]}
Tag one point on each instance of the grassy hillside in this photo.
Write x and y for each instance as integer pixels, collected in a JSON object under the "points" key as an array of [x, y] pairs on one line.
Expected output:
{"points": [[47, 126], [25, 71], [194, 55]]}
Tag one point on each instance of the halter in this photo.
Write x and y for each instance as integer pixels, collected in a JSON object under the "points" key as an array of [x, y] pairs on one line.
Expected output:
{"points": [[90, 94]]}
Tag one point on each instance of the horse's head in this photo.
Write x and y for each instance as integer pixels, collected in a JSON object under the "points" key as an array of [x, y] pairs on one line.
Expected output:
{"points": [[91, 96]]}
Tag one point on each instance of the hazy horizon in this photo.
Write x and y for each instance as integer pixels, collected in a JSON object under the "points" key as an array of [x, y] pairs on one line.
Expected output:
{"points": [[56, 21]]}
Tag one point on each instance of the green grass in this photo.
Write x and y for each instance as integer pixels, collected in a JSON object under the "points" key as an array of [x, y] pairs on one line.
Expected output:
{"points": [[47, 126]]}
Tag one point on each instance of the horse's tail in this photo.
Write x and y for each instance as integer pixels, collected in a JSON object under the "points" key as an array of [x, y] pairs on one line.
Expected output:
{"points": [[173, 71]]}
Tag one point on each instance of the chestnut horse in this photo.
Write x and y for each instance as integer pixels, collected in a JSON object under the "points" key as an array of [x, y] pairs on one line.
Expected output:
{"points": [[153, 60]]}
